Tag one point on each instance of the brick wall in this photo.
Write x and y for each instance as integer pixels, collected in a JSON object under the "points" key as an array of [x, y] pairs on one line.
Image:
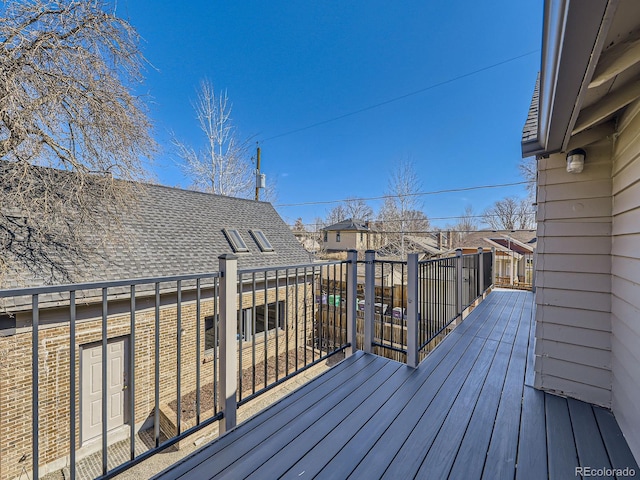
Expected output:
{"points": [[54, 369]]}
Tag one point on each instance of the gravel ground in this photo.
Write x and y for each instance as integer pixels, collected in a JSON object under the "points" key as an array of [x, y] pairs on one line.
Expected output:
{"points": [[188, 401]]}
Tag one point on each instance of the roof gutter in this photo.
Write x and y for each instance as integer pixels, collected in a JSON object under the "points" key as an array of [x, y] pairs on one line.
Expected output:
{"points": [[573, 36]]}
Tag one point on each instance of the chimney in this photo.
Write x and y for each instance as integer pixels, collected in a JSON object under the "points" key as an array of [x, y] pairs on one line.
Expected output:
{"points": [[449, 239], [440, 245]]}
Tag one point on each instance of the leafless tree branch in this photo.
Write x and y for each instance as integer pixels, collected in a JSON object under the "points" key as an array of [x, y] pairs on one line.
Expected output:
{"points": [[402, 211], [69, 126], [223, 166], [510, 213]]}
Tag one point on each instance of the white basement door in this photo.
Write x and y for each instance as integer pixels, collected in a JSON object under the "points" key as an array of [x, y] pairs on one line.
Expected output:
{"points": [[91, 387]]}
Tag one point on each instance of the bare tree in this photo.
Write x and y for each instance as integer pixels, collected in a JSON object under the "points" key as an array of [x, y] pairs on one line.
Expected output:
{"points": [[358, 209], [67, 71], [416, 222], [354, 208], [317, 236], [336, 214], [298, 227], [223, 166], [467, 222], [402, 209], [510, 213], [529, 170]]}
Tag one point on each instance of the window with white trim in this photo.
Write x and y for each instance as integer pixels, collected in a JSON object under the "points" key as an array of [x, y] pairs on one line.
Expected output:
{"points": [[269, 318]]}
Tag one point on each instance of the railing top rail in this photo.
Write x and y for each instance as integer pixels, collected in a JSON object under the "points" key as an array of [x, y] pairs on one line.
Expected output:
{"points": [[67, 287], [292, 267], [395, 262], [442, 259], [436, 260], [16, 292]]}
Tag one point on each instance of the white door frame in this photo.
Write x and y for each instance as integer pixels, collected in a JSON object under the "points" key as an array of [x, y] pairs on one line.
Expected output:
{"points": [[119, 382]]}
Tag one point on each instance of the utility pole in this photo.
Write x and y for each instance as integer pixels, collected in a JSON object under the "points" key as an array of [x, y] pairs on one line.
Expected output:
{"points": [[260, 178]]}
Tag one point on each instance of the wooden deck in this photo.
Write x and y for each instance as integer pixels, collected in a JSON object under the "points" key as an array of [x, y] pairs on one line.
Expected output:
{"points": [[468, 411]]}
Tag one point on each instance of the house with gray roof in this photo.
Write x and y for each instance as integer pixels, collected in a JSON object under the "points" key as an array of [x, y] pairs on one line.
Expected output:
{"points": [[167, 247], [170, 231], [350, 234]]}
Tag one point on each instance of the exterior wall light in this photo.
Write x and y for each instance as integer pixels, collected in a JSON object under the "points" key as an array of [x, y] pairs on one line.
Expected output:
{"points": [[575, 160]]}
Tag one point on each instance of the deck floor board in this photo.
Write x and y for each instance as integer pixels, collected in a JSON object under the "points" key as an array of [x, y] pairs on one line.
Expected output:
{"points": [[328, 446], [415, 446], [298, 416], [532, 445], [307, 422], [562, 456], [589, 444], [468, 411], [501, 455], [618, 450]]}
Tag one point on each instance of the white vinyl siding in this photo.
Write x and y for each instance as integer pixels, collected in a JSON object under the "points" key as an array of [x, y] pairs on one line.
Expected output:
{"points": [[573, 296], [625, 302]]}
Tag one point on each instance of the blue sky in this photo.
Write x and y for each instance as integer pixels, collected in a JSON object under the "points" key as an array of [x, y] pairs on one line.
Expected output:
{"points": [[288, 65]]}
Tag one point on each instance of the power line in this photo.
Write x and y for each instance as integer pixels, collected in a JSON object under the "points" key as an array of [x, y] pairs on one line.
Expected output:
{"points": [[417, 194], [401, 97], [398, 220], [431, 232]]}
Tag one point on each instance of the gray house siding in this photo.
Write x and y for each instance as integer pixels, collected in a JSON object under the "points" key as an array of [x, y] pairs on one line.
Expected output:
{"points": [[625, 269], [587, 97], [573, 331]]}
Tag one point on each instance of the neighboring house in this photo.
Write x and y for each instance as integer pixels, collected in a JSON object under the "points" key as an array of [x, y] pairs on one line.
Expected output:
{"points": [[514, 253], [587, 97], [172, 232], [349, 234]]}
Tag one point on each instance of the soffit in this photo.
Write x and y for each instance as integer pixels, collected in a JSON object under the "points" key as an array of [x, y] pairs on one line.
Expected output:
{"points": [[615, 80], [590, 74]]}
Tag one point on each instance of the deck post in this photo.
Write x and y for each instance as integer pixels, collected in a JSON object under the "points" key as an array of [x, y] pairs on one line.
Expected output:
{"points": [[369, 299], [493, 266], [480, 271], [352, 301], [459, 282], [228, 326], [412, 310], [534, 259]]}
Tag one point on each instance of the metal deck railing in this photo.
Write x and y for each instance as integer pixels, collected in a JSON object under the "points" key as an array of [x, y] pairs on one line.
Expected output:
{"points": [[196, 347]]}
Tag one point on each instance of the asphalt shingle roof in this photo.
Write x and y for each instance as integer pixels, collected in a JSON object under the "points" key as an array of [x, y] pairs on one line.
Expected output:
{"points": [[348, 225], [530, 130], [479, 239], [174, 232]]}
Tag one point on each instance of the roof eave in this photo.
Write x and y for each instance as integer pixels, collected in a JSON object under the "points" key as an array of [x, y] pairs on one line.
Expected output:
{"points": [[573, 34], [531, 148]]}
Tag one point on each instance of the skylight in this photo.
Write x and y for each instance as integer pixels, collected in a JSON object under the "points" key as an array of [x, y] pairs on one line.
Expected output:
{"points": [[236, 241], [261, 240]]}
